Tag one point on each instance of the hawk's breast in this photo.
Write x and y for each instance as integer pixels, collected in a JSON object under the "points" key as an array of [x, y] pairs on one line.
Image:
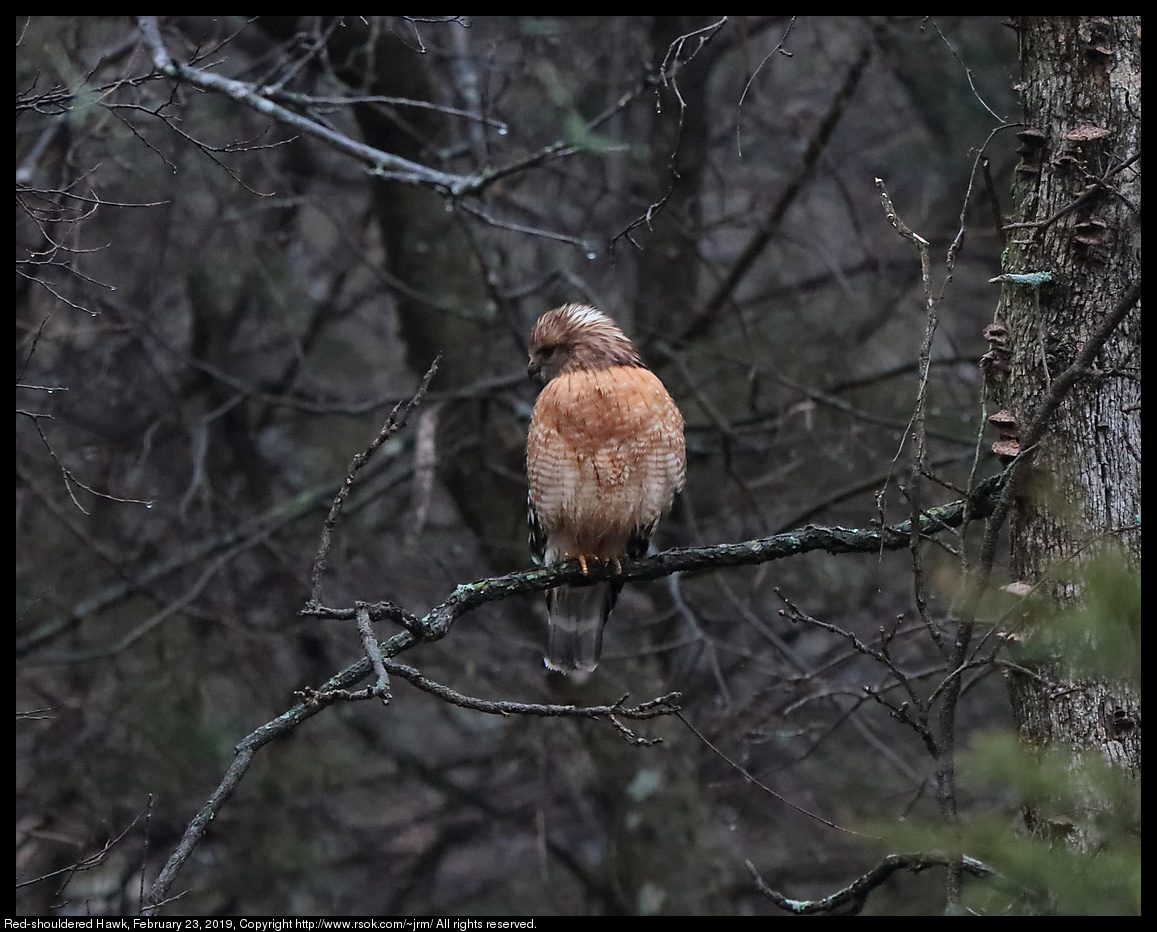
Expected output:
{"points": [[605, 457]]}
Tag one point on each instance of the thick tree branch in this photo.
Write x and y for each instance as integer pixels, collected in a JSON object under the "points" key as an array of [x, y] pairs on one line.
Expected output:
{"points": [[469, 596]]}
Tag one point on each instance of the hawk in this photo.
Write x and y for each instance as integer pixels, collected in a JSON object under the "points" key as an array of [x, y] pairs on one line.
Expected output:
{"points": [[604, 457]]}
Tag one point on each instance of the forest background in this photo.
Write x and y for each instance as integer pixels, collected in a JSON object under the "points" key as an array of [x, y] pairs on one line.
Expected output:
{"points": [[241, 242]]}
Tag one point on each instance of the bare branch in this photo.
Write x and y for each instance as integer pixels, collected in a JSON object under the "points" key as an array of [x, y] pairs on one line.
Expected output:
{"points": [[382, 164], [767, 789], [394, 423], [469, 596], [850, 900]]}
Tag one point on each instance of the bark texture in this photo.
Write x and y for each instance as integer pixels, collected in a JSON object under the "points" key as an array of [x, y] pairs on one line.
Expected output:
{"points": [[1076, 216]]}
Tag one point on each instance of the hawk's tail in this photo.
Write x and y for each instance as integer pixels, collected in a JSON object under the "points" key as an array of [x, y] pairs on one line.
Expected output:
{"points": [[577, 615]]}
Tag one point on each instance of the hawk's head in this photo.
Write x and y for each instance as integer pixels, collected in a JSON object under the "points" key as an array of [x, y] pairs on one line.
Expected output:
{"points": [[574, 337]]}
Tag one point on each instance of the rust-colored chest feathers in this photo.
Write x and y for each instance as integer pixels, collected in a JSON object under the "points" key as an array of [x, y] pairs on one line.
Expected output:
{"points": [[605, 457]]}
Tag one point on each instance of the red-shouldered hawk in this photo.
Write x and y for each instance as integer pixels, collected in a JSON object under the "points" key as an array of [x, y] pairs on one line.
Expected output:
{"points": [[605, 457]]}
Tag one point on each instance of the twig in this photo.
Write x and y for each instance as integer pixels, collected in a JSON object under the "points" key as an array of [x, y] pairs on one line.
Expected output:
{"points": [[394, 423], [668, 76], [317, 699], [92, 860], [705, 318], [942, 747], [746, 87], [763, 786], [374, 653], [919, 724], [918, 420], [1094, 188], [967, 72], [981, 162], [70, 478], [653, 708]]}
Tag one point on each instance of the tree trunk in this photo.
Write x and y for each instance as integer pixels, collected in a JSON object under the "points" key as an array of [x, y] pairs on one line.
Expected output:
{"points": [[1076, 215]]}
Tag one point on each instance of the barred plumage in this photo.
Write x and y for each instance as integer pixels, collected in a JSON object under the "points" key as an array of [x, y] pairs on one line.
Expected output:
{"points": [[605, 457]]}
